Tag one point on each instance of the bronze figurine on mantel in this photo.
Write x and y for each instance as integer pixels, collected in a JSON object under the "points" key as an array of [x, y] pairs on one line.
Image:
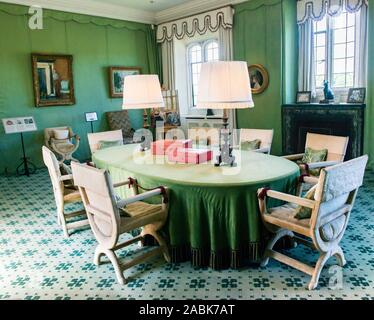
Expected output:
{"points": [[329, 95]]}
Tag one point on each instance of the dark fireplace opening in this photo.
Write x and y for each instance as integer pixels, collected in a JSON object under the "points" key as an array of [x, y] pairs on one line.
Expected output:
{"points": [[342, 121]]}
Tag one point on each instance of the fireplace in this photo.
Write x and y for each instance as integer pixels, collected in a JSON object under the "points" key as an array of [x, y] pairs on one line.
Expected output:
{"points": [[338, 120]]}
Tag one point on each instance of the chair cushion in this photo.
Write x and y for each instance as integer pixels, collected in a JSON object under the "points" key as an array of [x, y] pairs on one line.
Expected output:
{"points": [[140, 208], [332, 229], [71, 195], [286, 213], [311, 156], [250, 145], [65, 147], [139, 214], [304, 212], [61, 134], [108, 144]]}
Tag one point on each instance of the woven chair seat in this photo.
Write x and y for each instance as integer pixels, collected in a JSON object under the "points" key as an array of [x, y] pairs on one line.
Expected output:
{"points": [[65, 147], [286, 213], [71, 195], [138, 209]]}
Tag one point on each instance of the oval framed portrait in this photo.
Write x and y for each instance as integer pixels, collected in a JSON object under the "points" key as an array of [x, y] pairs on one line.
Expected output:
{"points": [[258, 77]]}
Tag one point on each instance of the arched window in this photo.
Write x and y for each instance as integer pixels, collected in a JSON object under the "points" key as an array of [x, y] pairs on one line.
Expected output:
{"points": [[198, 53]]}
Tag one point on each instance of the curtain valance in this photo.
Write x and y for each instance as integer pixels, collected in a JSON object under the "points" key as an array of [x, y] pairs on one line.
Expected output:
{"points": [[199, 24], [317, 9]]}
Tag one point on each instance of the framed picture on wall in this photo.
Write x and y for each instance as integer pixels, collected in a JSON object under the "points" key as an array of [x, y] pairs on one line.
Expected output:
{"points": [[116, 78], [53, 79], [259, 78], [303, 96]]}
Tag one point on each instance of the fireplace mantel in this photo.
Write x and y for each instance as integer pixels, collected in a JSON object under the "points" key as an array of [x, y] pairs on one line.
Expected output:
{"points": [[331, 119]]}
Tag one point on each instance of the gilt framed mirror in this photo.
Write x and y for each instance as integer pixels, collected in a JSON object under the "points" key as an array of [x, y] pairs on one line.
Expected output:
{"points": [[53, 79]]}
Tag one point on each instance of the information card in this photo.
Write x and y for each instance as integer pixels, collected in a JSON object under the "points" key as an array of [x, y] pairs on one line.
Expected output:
{"points": [[18, 125]]}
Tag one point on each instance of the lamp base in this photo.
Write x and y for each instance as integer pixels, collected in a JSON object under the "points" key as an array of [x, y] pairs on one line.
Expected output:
{"points": [[145, 119], [230, 161], [145, 145], [225, 157]]}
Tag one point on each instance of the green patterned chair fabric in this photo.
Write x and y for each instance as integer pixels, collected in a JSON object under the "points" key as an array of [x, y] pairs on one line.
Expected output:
{"points": [[120, 120], [312, 155]]}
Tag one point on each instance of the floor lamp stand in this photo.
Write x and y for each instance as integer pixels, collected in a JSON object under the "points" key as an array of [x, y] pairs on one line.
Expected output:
{"points": [[28, 166], [225, 156]]}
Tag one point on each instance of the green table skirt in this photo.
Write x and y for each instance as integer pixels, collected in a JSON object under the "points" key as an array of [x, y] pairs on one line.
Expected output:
{"points": [[216, 226]]}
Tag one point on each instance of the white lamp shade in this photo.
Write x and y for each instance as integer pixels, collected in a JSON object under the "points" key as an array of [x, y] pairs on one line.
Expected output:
{"points": [[224, 85], [142, 92]]}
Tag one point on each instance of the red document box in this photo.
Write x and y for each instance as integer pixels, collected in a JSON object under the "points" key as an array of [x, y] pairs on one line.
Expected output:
{"points": [[190, 155], [161, 147]]}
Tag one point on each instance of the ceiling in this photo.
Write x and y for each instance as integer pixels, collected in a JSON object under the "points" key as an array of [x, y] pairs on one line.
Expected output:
{"points": [[146, 11], [147, 5]]}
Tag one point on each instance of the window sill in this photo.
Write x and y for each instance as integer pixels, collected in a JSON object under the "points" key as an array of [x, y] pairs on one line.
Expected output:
{"points": [[196, 116]]}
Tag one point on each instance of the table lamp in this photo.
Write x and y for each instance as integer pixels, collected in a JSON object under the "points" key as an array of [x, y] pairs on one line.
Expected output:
{"points": [[142, 92], [224, 85]]}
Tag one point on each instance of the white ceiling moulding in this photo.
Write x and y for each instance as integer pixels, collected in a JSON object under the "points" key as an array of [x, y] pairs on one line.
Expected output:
{"points": [[93, 8], [122, 12], [191, 8]]}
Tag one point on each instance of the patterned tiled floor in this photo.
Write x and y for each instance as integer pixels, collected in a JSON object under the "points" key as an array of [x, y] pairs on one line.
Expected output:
{"points": [[37, 262]]}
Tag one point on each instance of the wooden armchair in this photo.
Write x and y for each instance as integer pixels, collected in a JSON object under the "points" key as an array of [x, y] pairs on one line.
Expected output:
{"points": [[62, 141], [265, 136], [333, 201], [336, 146], [95, 139], [107, 223], [64, 192]]}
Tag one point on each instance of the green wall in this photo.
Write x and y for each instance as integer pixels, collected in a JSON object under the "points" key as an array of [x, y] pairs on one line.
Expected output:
{"points": [[265, 32], [95, 44]]}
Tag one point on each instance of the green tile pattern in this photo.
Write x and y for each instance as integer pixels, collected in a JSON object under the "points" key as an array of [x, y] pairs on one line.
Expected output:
{"points": [[37, 262]]}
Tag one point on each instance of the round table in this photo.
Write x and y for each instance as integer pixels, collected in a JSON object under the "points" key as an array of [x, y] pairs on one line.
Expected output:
{"points": [[213, 211]]}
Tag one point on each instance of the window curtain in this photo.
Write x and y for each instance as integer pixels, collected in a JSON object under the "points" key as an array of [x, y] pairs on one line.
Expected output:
{"points": [[306, 57], [226, 54], [369, 112], [362, 48], [168, 65], [219, 20]]}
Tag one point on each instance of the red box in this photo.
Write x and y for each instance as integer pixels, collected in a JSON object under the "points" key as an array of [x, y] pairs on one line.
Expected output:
{"points": [[162, 147], [196, 156]]}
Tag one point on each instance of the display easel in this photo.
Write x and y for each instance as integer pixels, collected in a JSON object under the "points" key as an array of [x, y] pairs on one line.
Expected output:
{"points": [[26, 163], [91, 117], [21, 125]]}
